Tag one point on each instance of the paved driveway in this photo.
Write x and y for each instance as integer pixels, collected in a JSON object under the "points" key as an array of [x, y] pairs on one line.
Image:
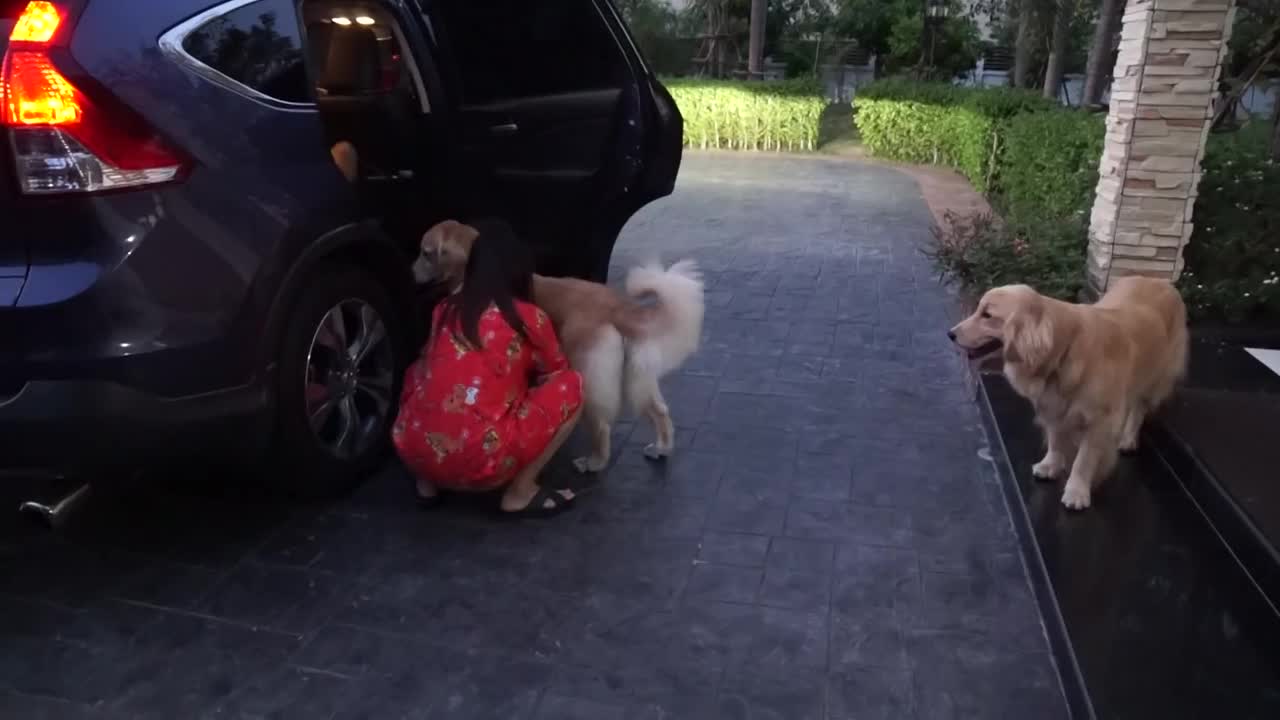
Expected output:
{"points": [[826, 543]]}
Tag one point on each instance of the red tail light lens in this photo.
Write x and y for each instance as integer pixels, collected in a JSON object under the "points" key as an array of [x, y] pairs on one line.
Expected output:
{"points": [[37, 94], [38, 23], [62, 140]]}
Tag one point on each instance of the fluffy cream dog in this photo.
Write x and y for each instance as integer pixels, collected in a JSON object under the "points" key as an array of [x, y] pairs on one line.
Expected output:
{"points": [[622, 345], [1092, 372]]}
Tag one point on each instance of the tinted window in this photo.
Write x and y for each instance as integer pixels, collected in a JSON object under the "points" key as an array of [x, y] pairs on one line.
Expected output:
{"points": [[507, 49], [356, 51], [257, 45]]}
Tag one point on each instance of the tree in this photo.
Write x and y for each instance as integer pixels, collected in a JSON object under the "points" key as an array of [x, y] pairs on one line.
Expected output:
{"points": [[1275, 131], [955, 47], [1022, 46], [869, 23], [1257, 57], [1058, 48], [755, 52], [1100, 64], [893, 31]]}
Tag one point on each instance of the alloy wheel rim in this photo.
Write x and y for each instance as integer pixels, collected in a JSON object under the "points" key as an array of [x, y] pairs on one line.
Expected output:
{"points": [[349, 372]]}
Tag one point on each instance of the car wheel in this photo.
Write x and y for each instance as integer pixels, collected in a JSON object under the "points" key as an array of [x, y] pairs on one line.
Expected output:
{"points": [[339, 371]]}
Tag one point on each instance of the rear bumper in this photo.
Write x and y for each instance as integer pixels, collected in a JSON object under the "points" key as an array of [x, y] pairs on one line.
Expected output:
{"points": [[73, 427]]}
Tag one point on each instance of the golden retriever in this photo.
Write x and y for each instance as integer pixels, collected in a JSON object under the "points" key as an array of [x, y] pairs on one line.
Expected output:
{"points": [[621, 345], [1092, 372]]}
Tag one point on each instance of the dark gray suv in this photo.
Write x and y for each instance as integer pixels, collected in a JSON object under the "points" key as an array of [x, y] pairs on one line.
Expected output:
{"points": [[184, 269]]}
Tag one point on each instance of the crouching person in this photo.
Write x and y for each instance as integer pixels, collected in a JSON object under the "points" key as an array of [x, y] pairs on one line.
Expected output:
{"points": [[491, 398]]}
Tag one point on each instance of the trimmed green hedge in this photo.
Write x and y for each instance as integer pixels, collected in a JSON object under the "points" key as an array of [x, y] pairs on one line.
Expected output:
{"points": [[996, 103], [738, 115], [941, 124], [958, 137], [1048, 163], [1041, 178], [1036, 161]]}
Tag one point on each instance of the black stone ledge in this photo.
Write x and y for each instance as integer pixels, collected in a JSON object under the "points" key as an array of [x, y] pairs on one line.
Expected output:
{"points": [[1219, 437], [1064, 657], [1251, 546], [1148, 612]]}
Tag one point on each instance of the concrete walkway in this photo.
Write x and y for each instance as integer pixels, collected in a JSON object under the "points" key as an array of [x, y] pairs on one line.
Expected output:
{"points": [[826, 543]]}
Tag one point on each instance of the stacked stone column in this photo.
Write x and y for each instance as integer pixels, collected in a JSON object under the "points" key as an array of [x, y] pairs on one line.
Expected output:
{"points": [[1166, 75]]}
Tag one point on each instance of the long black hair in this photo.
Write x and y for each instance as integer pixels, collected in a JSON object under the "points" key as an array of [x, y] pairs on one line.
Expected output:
{"points": [[499, 272]]}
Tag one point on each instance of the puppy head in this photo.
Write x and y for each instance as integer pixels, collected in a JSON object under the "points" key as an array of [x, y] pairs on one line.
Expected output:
{"points": [[1012, 318], [443, 253]]}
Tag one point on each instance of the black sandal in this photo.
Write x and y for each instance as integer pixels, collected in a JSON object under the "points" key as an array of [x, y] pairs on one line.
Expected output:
{"points": [[537, 507]]}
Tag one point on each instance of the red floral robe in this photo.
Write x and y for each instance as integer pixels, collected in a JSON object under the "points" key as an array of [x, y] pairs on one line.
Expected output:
{"points": [[470, 419]]}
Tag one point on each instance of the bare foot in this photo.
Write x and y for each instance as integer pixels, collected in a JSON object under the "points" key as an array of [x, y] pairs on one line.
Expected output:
{"points": [[428, 494], [426, 490]]}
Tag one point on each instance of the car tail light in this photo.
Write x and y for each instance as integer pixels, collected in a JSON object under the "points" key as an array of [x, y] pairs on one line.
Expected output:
{"points": [[62, 139]]}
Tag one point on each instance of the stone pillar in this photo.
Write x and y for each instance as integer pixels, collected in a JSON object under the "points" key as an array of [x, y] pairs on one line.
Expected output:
{"points": [[1166, 76]]}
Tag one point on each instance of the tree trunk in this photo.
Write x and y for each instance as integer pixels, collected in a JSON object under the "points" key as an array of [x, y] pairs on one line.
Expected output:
{"points": [[1022, 45], [1096, 69], [924, 33], [1275, 131], [755, 48], [1058, 49]]}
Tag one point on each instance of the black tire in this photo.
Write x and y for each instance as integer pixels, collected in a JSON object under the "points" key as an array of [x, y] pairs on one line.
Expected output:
{"points": [[321, 462]]}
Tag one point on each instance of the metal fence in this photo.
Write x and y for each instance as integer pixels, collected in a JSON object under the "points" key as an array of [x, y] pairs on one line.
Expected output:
{"points": [[841, 82]]}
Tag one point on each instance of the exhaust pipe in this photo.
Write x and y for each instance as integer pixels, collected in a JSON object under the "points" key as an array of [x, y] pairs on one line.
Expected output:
{"points": [[53, 516]]}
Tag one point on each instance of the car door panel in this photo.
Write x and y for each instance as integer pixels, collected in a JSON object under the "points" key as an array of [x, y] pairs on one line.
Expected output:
{"points": [[563, 135], [536, 161]]}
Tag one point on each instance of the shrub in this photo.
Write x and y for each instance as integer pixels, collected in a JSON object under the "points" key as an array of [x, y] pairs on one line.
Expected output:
{"points": [[997, 103], [918, 132], [1042, 177], [1037, 162], [942, 124], [981, 252], [1048, 164], [737, 115], [1233, 259]]}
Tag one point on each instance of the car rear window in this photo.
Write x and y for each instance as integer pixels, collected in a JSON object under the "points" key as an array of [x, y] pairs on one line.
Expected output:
{"points": [[259, 46]]}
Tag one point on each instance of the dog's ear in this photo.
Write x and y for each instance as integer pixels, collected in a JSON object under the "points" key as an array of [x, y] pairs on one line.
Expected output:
{"points": [[1029, 335]]}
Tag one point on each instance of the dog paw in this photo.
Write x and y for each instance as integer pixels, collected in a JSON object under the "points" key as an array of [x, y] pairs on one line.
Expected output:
{"points": [[653, 452], [590, 464], [1129, 445], [1076, 496], [1047, 469]]}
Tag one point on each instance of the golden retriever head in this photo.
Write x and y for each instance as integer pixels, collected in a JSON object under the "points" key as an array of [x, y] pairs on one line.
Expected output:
{"points": [[1014, 318], [443, 253]]}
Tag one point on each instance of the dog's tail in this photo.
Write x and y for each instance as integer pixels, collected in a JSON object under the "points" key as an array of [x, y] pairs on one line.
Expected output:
{"points": [[661, 334]]}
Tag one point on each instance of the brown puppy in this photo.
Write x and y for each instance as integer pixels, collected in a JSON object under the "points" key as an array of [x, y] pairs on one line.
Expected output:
{"points": [[1092, 372], [621, 346]]}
